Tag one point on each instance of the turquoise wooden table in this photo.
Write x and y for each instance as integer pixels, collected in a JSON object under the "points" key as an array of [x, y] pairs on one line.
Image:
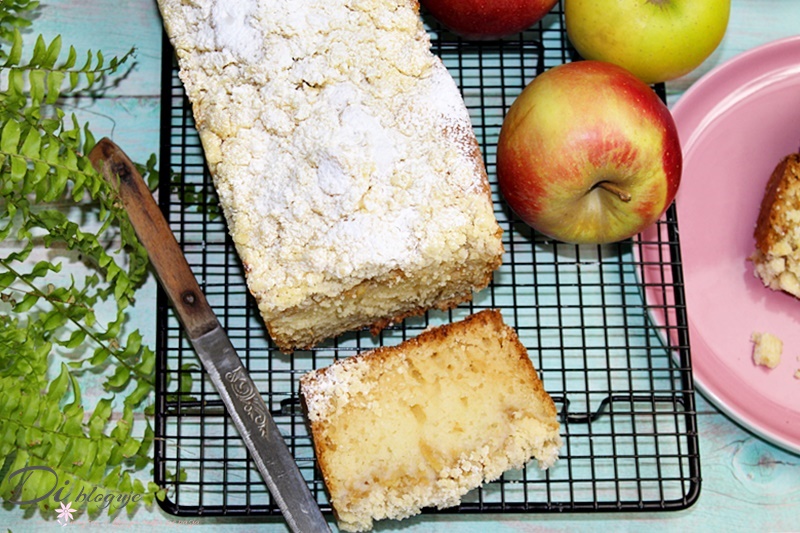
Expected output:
{"points": [[748, 484]]}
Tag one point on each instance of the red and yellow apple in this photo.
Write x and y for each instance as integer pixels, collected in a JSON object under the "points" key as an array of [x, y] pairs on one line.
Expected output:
{"points": [[657, 40], [488, 19], [588, 153]]}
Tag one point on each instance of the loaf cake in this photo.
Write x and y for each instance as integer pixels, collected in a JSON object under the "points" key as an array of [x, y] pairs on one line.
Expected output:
{"points": [[777, 233], [343, 156], [420, 424]]}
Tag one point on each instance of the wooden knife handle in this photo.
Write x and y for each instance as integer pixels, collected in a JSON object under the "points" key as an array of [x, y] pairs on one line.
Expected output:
{"points": [[165, 254]]}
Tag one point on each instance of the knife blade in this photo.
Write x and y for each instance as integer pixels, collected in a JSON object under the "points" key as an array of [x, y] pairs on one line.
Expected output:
{"points": [[242, 399]]}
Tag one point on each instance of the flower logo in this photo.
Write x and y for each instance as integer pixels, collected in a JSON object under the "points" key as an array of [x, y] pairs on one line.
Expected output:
{"points": [[65, 513]]}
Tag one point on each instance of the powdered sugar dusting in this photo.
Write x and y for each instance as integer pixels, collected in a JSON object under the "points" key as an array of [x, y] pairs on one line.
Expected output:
{"points": [[340, 145], [235, 30], [450, 106], [326, 389]]}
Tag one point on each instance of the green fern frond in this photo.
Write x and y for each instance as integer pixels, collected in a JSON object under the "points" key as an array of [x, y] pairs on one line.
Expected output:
{"points": [[51, 323]]}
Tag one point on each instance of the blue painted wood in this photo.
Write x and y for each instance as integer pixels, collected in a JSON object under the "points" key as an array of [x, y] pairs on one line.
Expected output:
{"points": [[748, 484]]}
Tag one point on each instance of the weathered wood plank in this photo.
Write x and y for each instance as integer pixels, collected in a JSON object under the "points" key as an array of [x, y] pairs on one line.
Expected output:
{"points": [[114, 27]]}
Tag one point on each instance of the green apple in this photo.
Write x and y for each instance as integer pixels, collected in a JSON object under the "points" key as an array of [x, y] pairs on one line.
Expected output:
{"points": [[588, 153], [657, 40]]}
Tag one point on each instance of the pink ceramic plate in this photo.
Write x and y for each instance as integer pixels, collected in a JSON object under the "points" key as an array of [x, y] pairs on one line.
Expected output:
{"points": [[736, 123]]}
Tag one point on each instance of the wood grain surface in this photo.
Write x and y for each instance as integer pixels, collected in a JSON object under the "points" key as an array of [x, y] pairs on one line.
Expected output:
{"points": [[748, 484]]}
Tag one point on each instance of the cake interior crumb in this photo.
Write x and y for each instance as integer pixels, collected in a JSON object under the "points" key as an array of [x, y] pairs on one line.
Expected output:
{"points": [[767, 349]]}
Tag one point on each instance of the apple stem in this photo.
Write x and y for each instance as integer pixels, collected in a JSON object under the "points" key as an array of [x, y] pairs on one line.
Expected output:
{"points": [[610, 187]]}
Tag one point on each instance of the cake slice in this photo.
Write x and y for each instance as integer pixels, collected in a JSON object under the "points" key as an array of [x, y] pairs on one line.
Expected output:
{"points": [[420, 424], [343, 157], [777, 233]]}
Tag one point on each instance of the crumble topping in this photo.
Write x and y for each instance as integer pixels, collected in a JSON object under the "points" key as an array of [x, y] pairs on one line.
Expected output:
{"points": [[330, 133]]}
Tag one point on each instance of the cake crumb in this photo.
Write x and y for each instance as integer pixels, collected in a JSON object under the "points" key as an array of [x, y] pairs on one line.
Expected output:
{"points": [[767, 350]]}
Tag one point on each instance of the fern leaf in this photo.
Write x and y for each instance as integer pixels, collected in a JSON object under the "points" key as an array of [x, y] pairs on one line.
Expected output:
{"points": [[42, 421]]}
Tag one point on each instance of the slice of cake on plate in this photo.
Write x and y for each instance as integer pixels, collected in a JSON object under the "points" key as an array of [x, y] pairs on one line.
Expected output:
{"points": [[777, 233]]}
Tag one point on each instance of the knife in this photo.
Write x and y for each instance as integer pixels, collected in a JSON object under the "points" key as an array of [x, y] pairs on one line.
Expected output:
{"points": [[245, 405]]}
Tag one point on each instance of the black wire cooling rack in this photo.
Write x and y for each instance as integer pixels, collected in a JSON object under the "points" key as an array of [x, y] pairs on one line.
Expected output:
{"points": [[604, 325]]}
